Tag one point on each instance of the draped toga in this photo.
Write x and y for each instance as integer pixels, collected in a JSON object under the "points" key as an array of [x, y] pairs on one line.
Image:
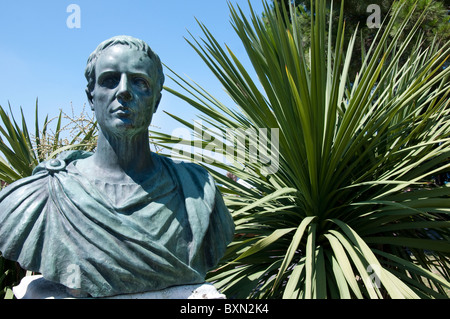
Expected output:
{"points": [[109, 239]]}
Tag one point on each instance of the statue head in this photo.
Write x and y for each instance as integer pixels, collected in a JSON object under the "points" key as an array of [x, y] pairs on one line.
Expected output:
{"points": [[125, 80]]}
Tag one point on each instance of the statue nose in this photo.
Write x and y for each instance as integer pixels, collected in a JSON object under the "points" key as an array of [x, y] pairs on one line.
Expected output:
{"points": [[125, 96], [123, 91]]}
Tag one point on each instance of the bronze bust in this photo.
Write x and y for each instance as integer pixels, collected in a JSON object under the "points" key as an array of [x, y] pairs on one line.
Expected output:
{"points": [[122, 219]]}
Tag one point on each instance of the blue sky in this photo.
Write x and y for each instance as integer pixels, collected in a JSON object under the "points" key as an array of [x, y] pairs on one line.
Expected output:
{"points": [[41, 57]]}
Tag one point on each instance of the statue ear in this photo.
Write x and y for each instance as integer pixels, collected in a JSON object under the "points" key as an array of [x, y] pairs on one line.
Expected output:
{"points": [[90, 98], [157, 102]]}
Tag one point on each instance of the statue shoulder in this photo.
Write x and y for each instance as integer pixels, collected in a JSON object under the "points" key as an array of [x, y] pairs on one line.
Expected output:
{"points": [[60, 162], [210, 220], [188, 173], [36, 183], [196, 183]]}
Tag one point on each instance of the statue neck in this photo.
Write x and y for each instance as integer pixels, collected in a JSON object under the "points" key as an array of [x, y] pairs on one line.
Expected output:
{"points": [[122, 158]]}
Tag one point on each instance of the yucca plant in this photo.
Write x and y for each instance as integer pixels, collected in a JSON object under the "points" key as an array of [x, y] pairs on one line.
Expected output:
{"points": [[352, 210], [23, 150], [20, 152]]}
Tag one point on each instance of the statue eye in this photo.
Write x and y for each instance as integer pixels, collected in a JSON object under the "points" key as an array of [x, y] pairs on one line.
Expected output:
{"points": [[110, 81], [141, 83]]}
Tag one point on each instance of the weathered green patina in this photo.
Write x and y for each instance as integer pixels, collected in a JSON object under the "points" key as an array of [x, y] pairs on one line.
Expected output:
{"points": [[122, 219]]}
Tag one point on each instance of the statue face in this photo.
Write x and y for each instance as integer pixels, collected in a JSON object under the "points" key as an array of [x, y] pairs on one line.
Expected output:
{"points": [[124, 97]]}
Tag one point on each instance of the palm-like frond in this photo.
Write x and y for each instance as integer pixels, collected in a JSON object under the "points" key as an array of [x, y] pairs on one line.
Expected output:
{"points": [[351, 211], [22, 151]]}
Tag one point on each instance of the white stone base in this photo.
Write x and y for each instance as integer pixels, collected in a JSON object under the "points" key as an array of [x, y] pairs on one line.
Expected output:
{"points": [[36, 287]]}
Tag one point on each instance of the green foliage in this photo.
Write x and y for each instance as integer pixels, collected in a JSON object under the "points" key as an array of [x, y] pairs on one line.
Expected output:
{"points": [[435, 22], [10, 275], [22, 151], [352, 211]]}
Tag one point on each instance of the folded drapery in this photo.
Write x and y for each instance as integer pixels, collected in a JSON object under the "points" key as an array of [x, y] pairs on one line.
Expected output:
{"points": [[108, 239]]}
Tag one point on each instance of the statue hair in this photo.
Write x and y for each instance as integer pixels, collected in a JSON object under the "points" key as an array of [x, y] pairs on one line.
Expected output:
{"points": [[133, 43]]}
